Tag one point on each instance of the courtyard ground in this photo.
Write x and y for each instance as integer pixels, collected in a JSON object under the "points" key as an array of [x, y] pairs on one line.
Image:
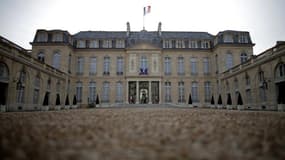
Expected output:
{"points": [[142, 133]]}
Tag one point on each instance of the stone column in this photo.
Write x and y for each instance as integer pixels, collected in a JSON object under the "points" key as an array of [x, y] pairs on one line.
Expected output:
{"points": [[137, 93], [149, 91]]}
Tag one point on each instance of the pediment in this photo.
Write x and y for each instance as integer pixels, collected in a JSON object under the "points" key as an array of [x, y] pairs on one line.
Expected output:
{"points": [[144, 46]]}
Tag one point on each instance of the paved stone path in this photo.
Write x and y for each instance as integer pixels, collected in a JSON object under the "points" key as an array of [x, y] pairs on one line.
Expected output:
{"points": [[142, 133]]}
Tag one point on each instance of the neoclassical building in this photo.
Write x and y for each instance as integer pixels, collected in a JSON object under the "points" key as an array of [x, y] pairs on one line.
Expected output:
{"points": [[139, 67]]}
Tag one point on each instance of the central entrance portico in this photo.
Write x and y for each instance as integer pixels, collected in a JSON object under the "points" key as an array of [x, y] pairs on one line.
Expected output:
{"points": [[143, 92]]}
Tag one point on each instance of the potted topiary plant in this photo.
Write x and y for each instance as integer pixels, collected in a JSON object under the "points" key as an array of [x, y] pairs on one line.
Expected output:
{"points": [[57, 102], [97, 100], [190, 101], [74, 103], [240, 103], [67, 102], [220, 102], [46, 102], [229, 102], [212, 102], [281, 103]]}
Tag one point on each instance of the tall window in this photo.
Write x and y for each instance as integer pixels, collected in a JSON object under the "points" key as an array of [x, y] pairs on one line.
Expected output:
{"points": [[167, 65], [207, 91], [261, 76], [193, 62], [106, 92], [247, 80], [79, 88], [120, 66], [243, 57], [181, 66], [143, 65], [229, 60], [21, 87], [119, 92], [41, 57], [92, 92], [181, 92], [80, 65], [106, 66], [280, 71], [206, 66], [93, 66], [36, 90], [195, 92], [167, 88], [49, 84], [56, 60], [58, 86], [236, 84]]}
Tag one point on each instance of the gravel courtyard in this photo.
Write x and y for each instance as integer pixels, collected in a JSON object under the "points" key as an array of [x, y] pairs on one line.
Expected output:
{"points": [[142, 133]]}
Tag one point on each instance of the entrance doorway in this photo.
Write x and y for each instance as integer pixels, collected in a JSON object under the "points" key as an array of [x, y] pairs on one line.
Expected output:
{"points": [[3, 93], [281, 92], [144, 92]]}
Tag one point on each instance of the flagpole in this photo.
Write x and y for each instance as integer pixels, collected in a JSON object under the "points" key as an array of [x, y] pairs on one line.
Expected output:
{"points": [[143, 17]]}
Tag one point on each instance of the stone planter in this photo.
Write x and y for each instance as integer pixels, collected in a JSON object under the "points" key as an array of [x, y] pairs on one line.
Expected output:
{"points": [[57, 108], [219, 106], [281, 107], [74, 106], [66, 107], [3, 108], [230, 107], [45, 108], [240, 107], [213, 106], [190, 105]]}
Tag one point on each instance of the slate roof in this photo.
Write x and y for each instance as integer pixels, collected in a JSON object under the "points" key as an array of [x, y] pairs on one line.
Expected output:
{"points": [[99, 35]]}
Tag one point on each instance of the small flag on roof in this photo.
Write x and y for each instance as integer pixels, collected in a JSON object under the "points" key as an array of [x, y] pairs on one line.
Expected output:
{"points": [[146, 10]]}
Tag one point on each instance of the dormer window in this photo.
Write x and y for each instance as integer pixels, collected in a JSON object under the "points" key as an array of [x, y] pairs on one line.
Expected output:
{"points": [[120, 43], [180, 44], [167, 44], [243, 38], [42, 37], [205, 44], [93, 44], [228, 38], [107, 44], [57, 37], [81, 44], [193, 44]]}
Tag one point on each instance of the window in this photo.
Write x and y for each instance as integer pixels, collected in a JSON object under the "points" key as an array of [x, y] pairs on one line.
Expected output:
{"points": [[143, 65], [205, 44], [206, 64], [92, 92], [56, 60], [247, 80], [120, 66], [193, 62], [280, 71], [207, 92], [167, 44], [248, 96], [243, 38], [106, 92], [41, 37], [181, 92], [195, 92], [261, 76], [106, 66], [48, 84], [228, 38], [4, 75], [229, 60], [81, 44], [41, 57], [119, 92], [243, 57], [93, 44], [236, 84], [58, 37], [93, 66], [107, 44], [79, 88], [80, 65], [181, 66], [180, 44], [58, 86], [167, 65], [21, 87], [262, 94], [120, 43], [193, 44], [167, 88], [36, 89]]}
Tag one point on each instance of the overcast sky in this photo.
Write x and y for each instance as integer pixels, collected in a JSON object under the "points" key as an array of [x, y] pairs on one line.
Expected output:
{"points": [[264, 19]]}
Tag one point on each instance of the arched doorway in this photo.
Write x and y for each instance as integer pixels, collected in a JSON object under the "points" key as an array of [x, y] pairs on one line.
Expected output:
{"points": [[4, 79]]}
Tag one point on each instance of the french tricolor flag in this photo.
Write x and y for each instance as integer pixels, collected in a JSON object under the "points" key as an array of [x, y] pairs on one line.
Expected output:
{"points": [[146, 10]]}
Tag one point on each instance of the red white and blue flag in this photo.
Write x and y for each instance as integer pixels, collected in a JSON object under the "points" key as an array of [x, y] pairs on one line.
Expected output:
{"points": [[146, 10]]}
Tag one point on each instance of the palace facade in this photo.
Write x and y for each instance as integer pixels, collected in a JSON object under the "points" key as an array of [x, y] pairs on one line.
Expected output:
{"points": [[139, 67]]}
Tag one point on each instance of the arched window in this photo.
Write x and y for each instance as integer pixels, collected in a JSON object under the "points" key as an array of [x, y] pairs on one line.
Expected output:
{"points": [[280, 71], [243, 57], [41, 57], [56, 60], [3, 72], [229, 60]]}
